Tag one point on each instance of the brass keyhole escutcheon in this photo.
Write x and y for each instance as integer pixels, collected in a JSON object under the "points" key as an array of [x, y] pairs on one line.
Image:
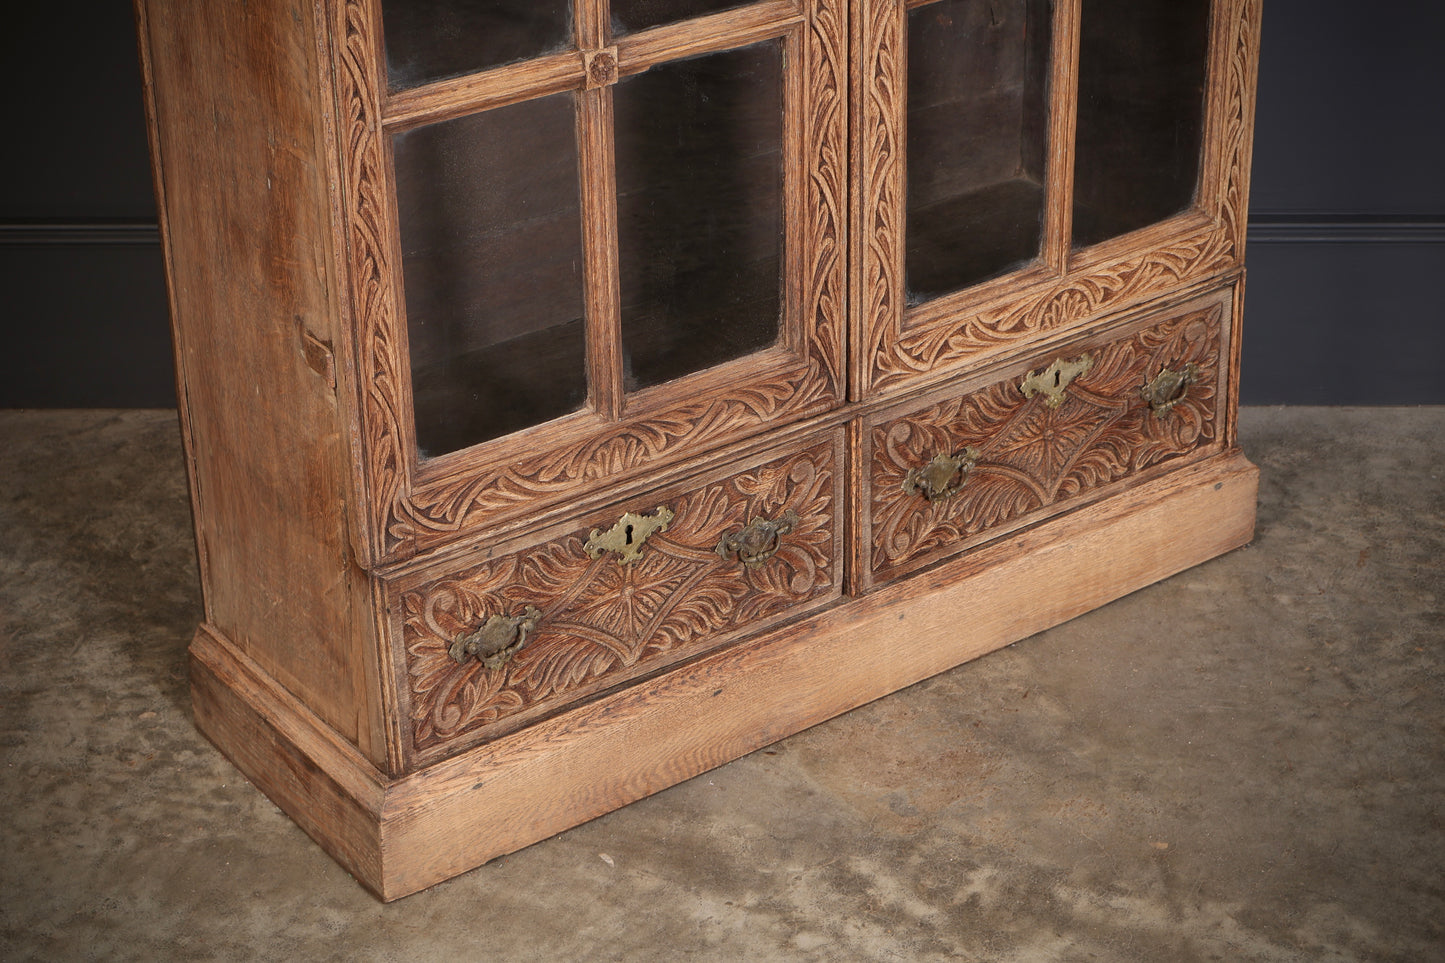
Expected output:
{"points": [[627, 537], [1054, 380], [943, 477], [497, 640], [1169, 387]]}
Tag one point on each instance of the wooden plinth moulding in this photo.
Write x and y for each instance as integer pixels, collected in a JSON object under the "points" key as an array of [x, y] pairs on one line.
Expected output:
{"points": [[400, 835]]}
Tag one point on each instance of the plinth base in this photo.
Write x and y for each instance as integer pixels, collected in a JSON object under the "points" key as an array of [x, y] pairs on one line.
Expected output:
{"points": [[398, 836]]}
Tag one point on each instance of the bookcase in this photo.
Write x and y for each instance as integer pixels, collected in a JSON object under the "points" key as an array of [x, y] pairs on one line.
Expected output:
{"points": [[578, 396]]}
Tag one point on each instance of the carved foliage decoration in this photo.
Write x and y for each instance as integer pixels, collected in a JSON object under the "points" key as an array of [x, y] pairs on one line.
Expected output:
{"points": [[900, 353], [429, 517], [1239, 128], [827, 172], [602, 621], [1031, 456], [369, 267], [880, 245], [407, 518]]}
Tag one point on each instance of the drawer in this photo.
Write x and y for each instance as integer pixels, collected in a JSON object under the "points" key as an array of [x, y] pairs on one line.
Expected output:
{"points": [[1037, 437], [483, 645]]}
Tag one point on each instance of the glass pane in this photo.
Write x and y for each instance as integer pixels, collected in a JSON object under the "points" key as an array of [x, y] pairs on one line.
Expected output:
{"points": [[630, 15], [430, 40], [977, 141], [700, 211], [1142, 69], [491, 236]]}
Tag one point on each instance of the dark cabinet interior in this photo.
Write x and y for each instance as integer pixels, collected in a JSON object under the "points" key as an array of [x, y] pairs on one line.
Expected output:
{"points": [[1142, 75], [978, 112]]}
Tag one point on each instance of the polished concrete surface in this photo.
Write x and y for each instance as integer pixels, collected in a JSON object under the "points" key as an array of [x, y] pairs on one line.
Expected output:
{"points": [[1245, 762]]}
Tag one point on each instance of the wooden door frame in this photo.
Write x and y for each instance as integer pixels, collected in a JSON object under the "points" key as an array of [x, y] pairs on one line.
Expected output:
{"points": [[415, 505], [897, 348]]}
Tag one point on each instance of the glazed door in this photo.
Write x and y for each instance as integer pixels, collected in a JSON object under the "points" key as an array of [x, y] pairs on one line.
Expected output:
{"points": [[585, 240], [1029, 164]]}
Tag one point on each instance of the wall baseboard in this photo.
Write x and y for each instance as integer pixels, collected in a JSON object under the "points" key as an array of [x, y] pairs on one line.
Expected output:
{"points": [[74, 233], [1265, 227], [1341, 309], [1278, 227], [88, 325], [1344, 309]]}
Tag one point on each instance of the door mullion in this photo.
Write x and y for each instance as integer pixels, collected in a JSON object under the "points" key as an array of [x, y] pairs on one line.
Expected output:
{"points": [[599, 229], [599, 209], [592, 19], [1063, 126]]}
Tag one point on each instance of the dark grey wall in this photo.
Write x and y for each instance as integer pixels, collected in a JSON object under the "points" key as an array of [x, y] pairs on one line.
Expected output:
{"points": [[84, 320], [1347, 232], [1347, 222]]}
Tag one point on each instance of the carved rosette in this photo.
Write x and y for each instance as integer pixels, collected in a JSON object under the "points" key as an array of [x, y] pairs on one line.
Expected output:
{"points": [[901, 353], [603, 622], [1031, 457]]}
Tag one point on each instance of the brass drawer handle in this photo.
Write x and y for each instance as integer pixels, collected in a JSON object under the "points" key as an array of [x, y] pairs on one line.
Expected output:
{"points": [[626, 538], [499, 638], [1054, 380], [1168, 387], [943, 477], [758, 541]]}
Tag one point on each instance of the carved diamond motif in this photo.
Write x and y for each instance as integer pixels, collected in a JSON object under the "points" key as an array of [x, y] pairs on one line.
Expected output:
{"points": [[1031, 456], [603, 621]]}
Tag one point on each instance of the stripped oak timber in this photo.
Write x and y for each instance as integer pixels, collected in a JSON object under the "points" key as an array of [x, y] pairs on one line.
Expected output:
{"points": [[591, 21], [709, 34], [597, 159], [498, 87], [553, 73], [499, 797], [247, 228], [1236, 356], [333, 793], [1063, 116]]}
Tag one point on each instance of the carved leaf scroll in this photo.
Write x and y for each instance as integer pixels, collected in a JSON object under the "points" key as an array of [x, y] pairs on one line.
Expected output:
{"points": [[603, 622], [1030, 456]]}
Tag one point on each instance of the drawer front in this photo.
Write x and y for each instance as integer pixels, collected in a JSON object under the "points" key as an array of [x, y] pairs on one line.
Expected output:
{"points": [[1057, 429], [615, 595]]}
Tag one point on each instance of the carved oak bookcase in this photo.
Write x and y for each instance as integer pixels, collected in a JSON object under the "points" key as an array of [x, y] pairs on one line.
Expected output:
{"points": [[579, 395]]}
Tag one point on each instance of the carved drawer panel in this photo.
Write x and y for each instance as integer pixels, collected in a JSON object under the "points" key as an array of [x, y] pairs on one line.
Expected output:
{"points": [[485, 644], [1042, 435]]}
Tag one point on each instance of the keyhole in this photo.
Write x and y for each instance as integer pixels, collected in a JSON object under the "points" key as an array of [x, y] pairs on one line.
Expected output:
{"points": [[1058, 378], [628, 532]]}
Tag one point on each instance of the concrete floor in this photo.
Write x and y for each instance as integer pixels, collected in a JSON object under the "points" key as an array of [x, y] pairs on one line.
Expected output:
{"points": [[1246, 762]]}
